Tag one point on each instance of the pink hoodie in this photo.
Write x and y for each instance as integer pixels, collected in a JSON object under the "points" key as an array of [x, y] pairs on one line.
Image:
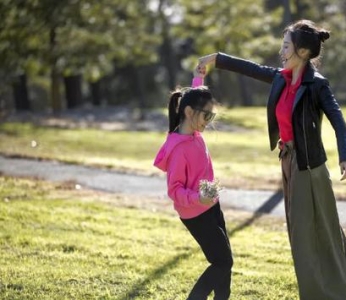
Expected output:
{"points": [[186, 160]]}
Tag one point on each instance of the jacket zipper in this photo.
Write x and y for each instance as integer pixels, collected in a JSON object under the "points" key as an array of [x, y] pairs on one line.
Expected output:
{"points": [[305, 141]]}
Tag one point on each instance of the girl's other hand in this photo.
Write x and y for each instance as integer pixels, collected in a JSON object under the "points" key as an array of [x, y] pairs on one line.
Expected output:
{"points": [[206, 201]]}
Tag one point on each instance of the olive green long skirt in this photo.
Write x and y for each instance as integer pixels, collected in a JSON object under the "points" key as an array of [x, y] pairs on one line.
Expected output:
{"points": [[317, 240]]}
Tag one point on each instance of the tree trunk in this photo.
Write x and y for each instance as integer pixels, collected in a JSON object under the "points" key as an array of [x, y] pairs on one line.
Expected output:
{"points": [[55, 90], [95, 88], [73, 91], [169, 61], [20, 93], [287, 16], [167, 51], [245, 92], [301, 8], [343, 8], [139, 91], [55, 76]]}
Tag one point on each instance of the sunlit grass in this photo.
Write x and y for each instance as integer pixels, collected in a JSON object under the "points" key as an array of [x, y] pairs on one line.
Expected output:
{"points": [[246, 117], [241, 155], [58, 243]]}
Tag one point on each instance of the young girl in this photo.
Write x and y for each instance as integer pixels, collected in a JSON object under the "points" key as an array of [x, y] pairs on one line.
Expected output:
{"points": [[185, 158]]}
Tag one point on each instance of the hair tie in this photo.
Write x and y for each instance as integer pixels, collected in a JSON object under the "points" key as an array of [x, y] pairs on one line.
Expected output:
{"points": [[323, 35]]}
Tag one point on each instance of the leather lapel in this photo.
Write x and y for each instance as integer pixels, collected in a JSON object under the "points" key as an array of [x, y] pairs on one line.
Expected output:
{"points": [[298, 96], [277, 87]]}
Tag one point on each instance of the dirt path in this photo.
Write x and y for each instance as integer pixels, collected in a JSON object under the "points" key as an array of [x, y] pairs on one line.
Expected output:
{"points": [[144, 187]]}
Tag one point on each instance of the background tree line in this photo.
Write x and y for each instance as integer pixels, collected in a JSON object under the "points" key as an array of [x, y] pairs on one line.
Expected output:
{"points": [[58, 54]]}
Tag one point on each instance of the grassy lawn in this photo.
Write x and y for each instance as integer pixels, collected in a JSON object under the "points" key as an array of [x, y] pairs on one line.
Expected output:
{"points": [[60, 243], [241, 157]]}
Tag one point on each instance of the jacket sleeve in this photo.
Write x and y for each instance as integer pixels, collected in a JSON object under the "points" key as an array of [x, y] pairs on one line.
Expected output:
{"points": [[245, 67], [177, 178], [334, 114]]}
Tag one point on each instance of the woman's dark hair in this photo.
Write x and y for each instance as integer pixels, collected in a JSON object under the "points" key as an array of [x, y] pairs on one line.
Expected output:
{"points": [[196, 98], [305, 34]]}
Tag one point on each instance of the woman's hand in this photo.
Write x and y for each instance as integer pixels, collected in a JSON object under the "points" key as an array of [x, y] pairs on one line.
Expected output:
{"points": [[343, 170], [208, 59], [201, 68]]}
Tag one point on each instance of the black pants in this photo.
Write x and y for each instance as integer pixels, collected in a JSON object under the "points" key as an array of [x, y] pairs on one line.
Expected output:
{"points": [[209, 230]]}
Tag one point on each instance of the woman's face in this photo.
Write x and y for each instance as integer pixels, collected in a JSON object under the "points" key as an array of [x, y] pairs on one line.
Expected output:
{"points": [[289, 57]]}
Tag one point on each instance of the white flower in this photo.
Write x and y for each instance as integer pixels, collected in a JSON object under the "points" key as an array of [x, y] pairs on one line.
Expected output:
{"points": [[209, 189]]}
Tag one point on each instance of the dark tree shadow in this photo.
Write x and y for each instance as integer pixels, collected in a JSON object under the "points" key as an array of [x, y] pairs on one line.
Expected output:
{"points": [[138, 287], [265, 208]]}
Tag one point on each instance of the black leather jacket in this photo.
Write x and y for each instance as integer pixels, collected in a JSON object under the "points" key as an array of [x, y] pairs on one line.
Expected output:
{"points": [[313, 98]]}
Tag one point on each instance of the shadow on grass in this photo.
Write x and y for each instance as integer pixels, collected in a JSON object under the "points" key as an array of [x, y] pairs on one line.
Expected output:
{"points": [[137, 288], [140, 286], [265, 208]]}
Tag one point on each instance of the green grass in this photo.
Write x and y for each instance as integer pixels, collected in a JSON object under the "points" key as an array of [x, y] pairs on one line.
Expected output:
{"points": [[241, 157], [60, 243]]}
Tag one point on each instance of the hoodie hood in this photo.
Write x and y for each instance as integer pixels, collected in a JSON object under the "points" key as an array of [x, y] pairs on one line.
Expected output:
{"points": [[173, 139]]}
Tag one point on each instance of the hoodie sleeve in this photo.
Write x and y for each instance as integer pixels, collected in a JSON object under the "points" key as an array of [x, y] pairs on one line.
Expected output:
{"points": [[197, 81], [176, 181]]}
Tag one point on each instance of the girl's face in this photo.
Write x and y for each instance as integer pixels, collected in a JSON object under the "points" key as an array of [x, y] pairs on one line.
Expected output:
{"points": [[290, 59], [202, 117]]}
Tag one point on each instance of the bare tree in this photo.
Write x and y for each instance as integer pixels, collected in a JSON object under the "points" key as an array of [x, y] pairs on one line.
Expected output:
{"points": [[287, 15]]}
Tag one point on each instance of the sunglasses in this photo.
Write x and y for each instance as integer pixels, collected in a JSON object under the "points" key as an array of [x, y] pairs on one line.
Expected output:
{"points": [[208, 115]]}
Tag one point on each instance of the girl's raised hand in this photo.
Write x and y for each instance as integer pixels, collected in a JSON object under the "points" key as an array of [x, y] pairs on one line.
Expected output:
{"points": [[200, 71]]}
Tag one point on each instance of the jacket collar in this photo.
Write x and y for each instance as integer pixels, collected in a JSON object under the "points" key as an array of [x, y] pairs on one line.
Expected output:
{"points": [[279, 84], [309, 74], [308, 77]]}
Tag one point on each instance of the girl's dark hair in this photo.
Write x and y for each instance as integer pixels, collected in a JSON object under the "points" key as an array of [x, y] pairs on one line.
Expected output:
{"points": [[196, 98], [305, 34]]}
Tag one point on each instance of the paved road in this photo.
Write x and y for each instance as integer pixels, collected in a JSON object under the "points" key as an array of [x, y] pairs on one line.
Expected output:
{"points": [[254, 201]]}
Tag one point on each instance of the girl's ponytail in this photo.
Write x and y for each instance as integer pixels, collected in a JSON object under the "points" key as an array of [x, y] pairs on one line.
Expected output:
{"points": [[173, 110]]}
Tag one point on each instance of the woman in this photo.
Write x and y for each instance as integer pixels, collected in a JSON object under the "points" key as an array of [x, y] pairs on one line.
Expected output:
{"points": [[298, 98]]}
